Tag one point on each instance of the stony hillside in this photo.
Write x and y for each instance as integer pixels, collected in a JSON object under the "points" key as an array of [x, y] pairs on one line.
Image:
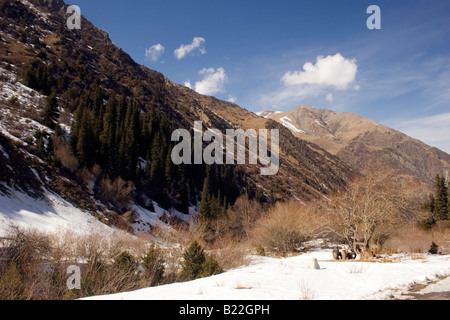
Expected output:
{"points": [[92, 82]]}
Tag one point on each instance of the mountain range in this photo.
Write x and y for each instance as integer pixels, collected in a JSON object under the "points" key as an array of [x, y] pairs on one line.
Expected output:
{"points": [[365, 145]]}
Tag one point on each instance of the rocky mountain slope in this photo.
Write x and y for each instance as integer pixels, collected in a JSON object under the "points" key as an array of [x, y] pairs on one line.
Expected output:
{"points": [[364, 144], [83, 70]]}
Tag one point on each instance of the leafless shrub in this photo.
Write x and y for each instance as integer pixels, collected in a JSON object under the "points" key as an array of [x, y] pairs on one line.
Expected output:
{"points": [[306, 292], [117, 193], [243, 216], [89, 176], [21, 263], [64, 154], [285, 227], [231, 254]]}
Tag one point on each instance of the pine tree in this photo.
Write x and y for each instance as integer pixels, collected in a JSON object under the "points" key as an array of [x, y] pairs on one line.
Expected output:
{"points": [[169, 169], [125, 262], [436, 208], [448, 202], [209, 268], [184, 197], [30, 79], [441, 198], [74, 132], [129, 143], [429, 205], [428, 220], [84, 150], [157, 168], [108, 138], [42, 79], [153, 264], [50, 113], [194, 258], [205, 203]]}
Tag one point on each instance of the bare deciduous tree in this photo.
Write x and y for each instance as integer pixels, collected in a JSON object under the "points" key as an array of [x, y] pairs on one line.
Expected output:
{"points": [[368, 206]]}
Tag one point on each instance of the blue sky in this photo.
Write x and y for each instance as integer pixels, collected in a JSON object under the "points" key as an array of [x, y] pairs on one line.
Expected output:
{"points": [[281, 54]]}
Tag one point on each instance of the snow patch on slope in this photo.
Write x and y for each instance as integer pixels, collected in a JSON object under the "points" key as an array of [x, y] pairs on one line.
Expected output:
{"points": [[287, 122], [50, 215]]}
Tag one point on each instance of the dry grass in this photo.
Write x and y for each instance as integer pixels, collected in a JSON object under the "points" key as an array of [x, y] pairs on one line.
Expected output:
{"points": [[357, 269], [306, 292], [33, 265], [231, 255], [411, 239]]}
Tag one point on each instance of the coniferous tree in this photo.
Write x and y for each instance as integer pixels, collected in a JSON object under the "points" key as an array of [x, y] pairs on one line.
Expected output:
{"points": [[428, 206], [74, 131], [50, 112], [183, 205], [169, 169], [205, 203], [153, 264], [448, 202], [436, 208], [98, 112], [108, 138], [30, 79], [194, 258], [157, 167], [37, 77], [428, 220], [129, 142], [84, 147], [441, 198], [209, 268]]}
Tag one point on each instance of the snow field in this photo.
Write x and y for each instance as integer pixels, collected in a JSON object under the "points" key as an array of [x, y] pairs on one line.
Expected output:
{"points": [[290, 279]]}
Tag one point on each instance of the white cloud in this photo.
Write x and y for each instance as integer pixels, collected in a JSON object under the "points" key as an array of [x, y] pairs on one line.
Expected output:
{"points": [[185, 49], [433, 130], [213, 81], [231, 98], [188, 84], [335, 71], [330, 98], [332, 72], [154, 52]]}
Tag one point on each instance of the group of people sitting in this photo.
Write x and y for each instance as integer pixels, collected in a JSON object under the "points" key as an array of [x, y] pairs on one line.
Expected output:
{"points": [[343, 254]]}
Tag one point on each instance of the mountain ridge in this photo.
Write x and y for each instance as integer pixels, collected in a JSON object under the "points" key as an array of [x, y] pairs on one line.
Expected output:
{"points": [[363, 143]]}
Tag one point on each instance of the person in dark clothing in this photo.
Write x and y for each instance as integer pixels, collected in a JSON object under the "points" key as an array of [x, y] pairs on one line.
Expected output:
{"points": [[336, 253]]}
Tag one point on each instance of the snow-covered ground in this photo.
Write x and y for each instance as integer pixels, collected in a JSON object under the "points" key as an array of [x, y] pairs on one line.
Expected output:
{"points": [[290, 279], [439, 286], [50, 215]]}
